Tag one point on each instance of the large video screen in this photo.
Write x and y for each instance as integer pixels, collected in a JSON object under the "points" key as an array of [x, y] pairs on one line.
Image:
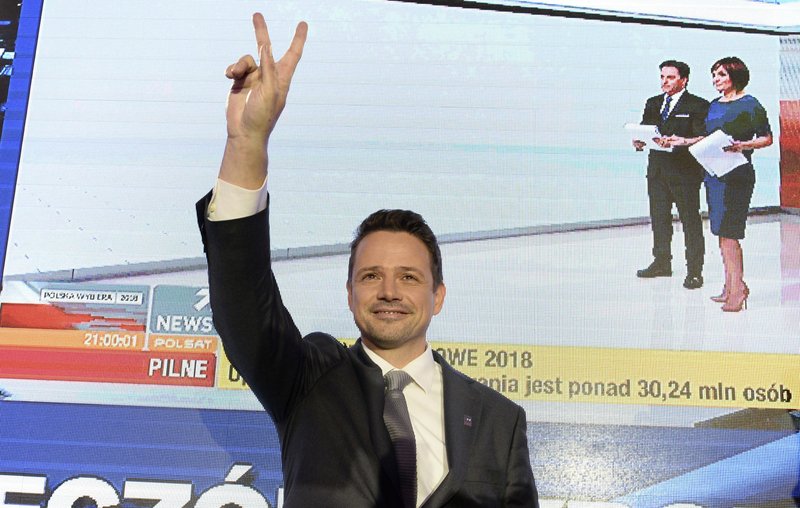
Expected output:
{"points": [[505, 130]]}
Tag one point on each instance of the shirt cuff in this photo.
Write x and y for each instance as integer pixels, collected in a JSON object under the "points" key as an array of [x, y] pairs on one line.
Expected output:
{"points": [[229, 201]]}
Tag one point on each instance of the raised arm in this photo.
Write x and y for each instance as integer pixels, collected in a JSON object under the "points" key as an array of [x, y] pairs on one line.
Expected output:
{"points": [[256, 100], [257, 331]]}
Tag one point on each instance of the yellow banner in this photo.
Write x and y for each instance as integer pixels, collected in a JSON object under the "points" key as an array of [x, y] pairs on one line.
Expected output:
{"points": [[630, 376], [618, 376], [227, 377]]}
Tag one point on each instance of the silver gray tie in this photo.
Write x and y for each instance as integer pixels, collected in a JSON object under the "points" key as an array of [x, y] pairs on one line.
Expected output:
{"points": [[398, 423]]}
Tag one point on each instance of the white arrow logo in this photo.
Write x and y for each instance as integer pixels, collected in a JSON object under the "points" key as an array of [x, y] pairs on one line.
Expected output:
{"points": [[204, 299]]}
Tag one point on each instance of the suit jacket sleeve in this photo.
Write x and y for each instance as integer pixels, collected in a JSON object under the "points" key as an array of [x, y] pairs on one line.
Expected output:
{"points": [[520, 487], [257, 331], [651, 114]]}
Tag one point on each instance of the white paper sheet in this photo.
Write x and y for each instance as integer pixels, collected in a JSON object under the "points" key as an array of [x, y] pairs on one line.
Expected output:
{"points": [[710, 154], [645, 133]]}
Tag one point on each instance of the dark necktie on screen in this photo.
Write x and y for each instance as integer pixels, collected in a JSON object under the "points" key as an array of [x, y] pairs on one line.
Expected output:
{"points": [[398, 423], [665, 111]]}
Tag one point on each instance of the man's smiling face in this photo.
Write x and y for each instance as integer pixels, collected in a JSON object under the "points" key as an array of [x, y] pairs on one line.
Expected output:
{"points": [[390, 292]]}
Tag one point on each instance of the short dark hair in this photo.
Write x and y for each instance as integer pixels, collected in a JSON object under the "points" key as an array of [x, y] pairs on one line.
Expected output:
{"points": [[736, 69], [683, 67], [400, 221]]}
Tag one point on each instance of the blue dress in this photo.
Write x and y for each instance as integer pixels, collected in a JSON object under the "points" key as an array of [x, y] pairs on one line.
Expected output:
{"points": [[729, 196]]}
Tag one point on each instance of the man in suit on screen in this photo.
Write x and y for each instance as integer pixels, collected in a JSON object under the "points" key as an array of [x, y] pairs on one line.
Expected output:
{"points": [[674, 176], [386, 422]]}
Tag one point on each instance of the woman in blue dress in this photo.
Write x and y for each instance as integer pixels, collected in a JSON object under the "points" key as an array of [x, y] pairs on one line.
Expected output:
{"points": [[743, 118]]}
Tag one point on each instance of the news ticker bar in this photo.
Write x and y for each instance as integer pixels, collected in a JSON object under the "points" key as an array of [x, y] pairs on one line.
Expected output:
{"points": [[615, 376], [521, 372]]}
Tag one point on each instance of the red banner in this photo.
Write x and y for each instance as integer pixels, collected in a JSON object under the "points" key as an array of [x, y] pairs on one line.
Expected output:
{"points": [[108, 366]]}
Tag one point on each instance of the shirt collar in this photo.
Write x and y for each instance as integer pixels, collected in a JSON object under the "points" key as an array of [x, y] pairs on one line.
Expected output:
{"points": [[421, 369]]}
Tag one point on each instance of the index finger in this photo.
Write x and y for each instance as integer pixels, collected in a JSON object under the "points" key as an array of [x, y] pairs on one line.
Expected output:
{"points": [[292, 56], [299, 40]]}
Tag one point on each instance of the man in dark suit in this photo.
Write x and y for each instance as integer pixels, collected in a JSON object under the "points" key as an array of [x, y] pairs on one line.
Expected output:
{"points": [[674, 176], [348, 437]]}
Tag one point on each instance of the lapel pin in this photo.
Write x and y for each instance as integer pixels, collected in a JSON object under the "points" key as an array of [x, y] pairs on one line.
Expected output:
{"points": [[467, 421]]}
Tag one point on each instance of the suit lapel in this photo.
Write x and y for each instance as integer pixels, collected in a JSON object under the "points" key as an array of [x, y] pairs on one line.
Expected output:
{"points": [[462, 421], [371, 381]]}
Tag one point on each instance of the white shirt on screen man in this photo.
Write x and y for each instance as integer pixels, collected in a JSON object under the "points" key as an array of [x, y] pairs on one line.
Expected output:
{"points": [[675, 98], [424, 396]]}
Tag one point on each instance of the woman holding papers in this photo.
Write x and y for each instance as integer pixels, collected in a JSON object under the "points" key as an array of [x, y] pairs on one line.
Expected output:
{"points": [[744, 120]]}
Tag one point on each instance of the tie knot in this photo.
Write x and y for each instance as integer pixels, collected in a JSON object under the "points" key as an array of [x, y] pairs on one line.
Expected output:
{"points": [[396, 380]]}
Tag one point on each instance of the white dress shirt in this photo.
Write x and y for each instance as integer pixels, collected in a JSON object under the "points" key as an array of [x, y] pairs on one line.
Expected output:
{"points": [[230, 201], [425, 401], [424, 397], [674, 100]]}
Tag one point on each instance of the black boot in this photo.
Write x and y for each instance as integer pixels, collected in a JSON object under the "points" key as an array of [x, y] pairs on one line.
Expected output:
{"points": [[694, 279], [657, 268]]}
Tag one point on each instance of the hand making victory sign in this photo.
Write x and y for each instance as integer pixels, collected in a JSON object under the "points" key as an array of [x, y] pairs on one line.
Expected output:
{"points": [[255, 102]]}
